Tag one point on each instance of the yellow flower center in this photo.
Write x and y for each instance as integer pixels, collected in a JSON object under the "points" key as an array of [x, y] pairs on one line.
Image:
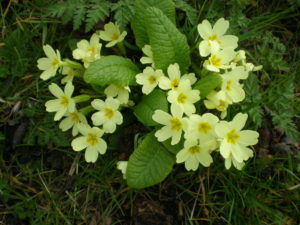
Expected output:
{"points": [[212, 37], [92, 139], [109, 112], [55, 62], [71, 73], [64, 100], [176, 124], [215, 61], [152, 79], [204, 127], [228, 86], [222, 105], [181, 98], [194, 149], [91, 49], [115, 36], [74, 117], [121, 88], [231, 137], [174, 83]]}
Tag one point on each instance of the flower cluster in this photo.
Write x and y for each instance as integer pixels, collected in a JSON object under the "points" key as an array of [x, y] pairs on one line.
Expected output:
{"points": [[107, 115], [199, 133], [203, 134]]}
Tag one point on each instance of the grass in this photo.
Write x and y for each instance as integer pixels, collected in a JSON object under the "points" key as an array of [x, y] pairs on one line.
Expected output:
{"points": [[42, 179]]}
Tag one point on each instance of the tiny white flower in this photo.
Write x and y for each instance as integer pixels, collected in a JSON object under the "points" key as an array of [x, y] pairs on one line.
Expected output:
{"points": [[112, 34], [185, 97], [214, 38], [91, 140], [71, 121], [219, 60], [174, 124], [108, 114], [49, 64], [174, 78], [88, 51], [64, 102], [203, 128], [195, 153], [122, 165], [234, 140], [149, 79], [231, 85], [148, 59], [121, 93]]}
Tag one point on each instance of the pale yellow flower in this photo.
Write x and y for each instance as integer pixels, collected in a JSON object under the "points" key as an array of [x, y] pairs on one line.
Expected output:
{"points": [[202, 127], [88, 51], [218, 100], [174, 78], [71, 121], [231, 85], [174, 124], [219, 60], [64, 102], [230, 160], [112, 34], [149, 79], [70, 74], [185, 97], [108, 114], [148, 59], [234, 140], [49, 64], [214, 38], [195, 153], [240, 60], [91, 141], [120, 92], [122, 165]]}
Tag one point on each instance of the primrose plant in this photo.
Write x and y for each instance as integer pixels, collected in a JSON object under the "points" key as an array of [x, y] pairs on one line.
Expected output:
{"points": [[184, 111]]}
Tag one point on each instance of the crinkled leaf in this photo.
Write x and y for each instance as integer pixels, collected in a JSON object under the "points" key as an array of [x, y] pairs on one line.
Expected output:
{"points": [[207, 84], [139, 23], [144, 110], [167, 43], [149, 164], [111, 70]]}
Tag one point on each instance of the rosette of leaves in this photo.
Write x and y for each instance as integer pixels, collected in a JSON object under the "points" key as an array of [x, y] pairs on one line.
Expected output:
{"points": [[151, 161]]}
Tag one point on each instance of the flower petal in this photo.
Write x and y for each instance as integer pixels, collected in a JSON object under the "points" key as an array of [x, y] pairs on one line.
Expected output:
{"points": [[248, 137], [79, 143], [91, 154], [220, 27], [239, 121]]}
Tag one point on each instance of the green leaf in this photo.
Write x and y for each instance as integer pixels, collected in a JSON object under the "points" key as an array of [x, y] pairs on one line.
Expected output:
{"points": [[111, 70], [207, 84], [79, 16], [139, 23], [96, 13], [252, 102], [144, 110], [167, 43], [124, 12], [191, 13], [149, 164]]}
